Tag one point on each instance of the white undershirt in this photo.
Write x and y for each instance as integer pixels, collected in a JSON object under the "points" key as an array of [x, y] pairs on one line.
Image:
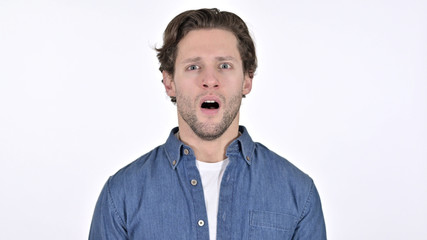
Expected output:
{"points": [[211, 175]]}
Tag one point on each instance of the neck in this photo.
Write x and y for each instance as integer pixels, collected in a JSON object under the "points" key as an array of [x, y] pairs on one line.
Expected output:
{"points": [[209, 151]]}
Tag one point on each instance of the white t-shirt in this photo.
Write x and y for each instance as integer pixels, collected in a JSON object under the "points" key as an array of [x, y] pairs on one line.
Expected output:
{"points": [[211, 175]]}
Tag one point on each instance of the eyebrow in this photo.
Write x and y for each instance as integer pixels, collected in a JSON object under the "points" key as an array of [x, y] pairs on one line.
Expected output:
{"points": [[191, 60], [198, 59], [226, 58]]}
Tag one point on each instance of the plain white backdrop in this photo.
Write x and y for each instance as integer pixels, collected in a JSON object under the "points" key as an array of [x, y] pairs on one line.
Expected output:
{"points": [[341, 91]]}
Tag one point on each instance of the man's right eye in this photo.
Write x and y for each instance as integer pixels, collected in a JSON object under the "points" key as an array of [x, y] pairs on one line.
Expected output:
{"points": [[193, 67]]}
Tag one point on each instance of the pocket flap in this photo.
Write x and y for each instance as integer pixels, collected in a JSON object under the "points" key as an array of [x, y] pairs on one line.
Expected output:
{"points": [[279, 221]]}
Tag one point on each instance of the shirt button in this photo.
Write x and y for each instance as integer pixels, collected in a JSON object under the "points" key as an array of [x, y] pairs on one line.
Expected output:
{"points": [[247, 158], [174, 162], [194, 182], [201, 223], [186, 151]]}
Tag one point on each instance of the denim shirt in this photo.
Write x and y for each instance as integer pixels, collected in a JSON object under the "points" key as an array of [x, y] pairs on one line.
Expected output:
{"points": [[160, 196]]}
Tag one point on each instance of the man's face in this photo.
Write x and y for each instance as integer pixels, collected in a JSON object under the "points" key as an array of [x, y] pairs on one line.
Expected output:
{"points": [[208, 82]]}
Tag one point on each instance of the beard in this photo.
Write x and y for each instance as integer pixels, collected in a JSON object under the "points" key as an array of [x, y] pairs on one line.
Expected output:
{"points": [[205, 130]]}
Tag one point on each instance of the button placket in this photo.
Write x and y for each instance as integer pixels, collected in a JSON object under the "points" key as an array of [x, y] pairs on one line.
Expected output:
{"points": [[196, 189]]}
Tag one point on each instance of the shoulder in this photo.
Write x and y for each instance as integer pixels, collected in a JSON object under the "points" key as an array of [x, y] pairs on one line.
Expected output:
{"points": [[278, 166], [126, 179]]}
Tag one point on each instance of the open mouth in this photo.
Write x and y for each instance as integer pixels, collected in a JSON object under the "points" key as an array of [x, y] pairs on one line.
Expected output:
{"points": [[210, 104]]}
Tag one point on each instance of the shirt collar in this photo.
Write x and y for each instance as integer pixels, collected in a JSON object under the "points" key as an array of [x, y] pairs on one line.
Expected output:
{"points": [[174, 148]]}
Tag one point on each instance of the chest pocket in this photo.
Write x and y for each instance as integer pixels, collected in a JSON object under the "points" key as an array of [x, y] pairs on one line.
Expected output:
{"points": [[271, 225]]}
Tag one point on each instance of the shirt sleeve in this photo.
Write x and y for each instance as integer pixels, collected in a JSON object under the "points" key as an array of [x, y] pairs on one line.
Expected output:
{"points": [[106, 222], [311, 224]]}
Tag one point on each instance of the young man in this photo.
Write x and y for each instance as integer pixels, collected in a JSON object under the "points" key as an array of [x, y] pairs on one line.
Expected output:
{"points": [[209, 180]]}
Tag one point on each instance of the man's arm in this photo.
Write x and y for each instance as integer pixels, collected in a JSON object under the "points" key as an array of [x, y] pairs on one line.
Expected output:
{"points": [[106, 222], [311, 224]]}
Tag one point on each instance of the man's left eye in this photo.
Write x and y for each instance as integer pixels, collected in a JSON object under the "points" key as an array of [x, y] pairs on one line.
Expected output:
{"points": [[224, 66]]}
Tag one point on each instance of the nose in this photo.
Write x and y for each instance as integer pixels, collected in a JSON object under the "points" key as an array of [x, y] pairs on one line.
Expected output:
{"points": [[210, 79]]}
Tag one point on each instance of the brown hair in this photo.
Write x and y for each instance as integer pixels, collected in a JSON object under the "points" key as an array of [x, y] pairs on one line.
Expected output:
{"points": [[202, 19]]}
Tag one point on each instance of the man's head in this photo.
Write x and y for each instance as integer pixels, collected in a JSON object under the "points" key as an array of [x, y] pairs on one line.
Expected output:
{"points": [[191, 20], [208, 62]]}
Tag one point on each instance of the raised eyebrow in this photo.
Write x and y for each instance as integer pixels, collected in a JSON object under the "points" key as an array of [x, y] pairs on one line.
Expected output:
{"points": [[191, 60], [226, 58]]}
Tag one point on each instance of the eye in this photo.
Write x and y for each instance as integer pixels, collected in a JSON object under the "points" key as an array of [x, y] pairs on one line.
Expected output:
{"points": [[193, 67], [224, 66]]}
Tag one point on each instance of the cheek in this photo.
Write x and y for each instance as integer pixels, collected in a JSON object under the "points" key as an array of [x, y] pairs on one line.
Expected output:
{"points": [[182, 90], [233, 84], [185, 82]]}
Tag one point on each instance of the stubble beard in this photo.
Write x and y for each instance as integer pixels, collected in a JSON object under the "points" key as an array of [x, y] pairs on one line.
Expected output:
{"points": [[205, 130]]}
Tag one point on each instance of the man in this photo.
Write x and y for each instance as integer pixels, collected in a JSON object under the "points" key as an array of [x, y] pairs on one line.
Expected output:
{"points": [[209, 180]]}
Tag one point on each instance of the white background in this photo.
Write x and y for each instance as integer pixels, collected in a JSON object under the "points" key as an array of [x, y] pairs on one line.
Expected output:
{"points": [[341, 91]]}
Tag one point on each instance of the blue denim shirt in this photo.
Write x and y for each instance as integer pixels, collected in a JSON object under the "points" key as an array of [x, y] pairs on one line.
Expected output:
{"points": [[160, 196]]}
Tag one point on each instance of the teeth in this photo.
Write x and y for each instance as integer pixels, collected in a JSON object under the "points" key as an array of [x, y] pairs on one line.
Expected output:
{"points": [[210, 101]]}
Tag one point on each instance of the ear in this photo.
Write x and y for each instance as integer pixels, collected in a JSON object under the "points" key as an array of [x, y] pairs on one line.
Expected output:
{"points": [[247, 84], [169, 84]]}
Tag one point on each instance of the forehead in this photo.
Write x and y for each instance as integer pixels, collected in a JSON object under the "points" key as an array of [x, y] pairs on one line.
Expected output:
{"points": [[206, 43]]}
